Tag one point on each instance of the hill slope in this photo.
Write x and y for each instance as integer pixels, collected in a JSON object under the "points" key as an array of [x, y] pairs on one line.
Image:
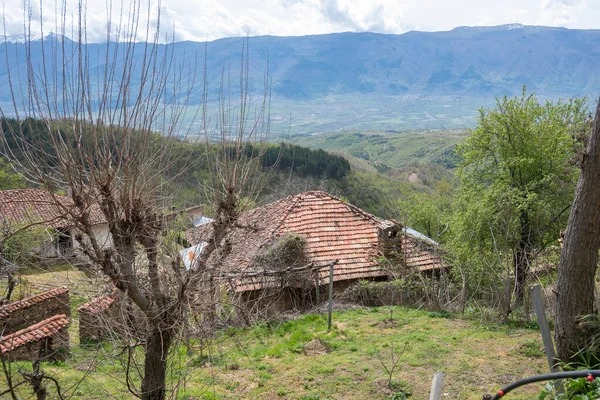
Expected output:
{"points": [[417, 79]]}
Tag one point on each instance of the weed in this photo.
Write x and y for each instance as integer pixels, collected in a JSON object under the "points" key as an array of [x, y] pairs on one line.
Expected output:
{"points": [[400, 390], [439, 314], [532, 348], [325, 370]]}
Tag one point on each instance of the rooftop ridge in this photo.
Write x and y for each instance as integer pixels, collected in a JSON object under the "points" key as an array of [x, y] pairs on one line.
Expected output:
{"points": [[379, 221], [9, 308], [33, 333]]}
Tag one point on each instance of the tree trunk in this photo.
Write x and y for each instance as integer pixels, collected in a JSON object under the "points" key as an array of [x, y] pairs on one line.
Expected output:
{"points": [[579, 255], [522, 259], [155, 364]]}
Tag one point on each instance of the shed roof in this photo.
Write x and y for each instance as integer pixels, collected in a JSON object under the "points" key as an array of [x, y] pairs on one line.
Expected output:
{"points": [[98, 304], [31, 301], [33, 333], [41, 206]]}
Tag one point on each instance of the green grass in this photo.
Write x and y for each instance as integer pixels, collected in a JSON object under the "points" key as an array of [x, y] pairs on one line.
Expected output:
{"points": [[271, 362], [394, 150]]}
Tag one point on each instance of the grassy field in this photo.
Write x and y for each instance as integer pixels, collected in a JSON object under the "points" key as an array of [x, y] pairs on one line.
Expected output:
{"points": [[300, 359]]}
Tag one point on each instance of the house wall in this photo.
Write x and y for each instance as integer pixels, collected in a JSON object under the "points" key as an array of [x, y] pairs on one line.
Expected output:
{"points": [[48, 248], [100, 232], [267, 304], [21, 314]]}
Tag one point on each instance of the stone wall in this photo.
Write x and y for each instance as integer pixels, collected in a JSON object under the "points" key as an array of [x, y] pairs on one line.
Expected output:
{"points": [[99, 318], [47, 340], [20, 314]]}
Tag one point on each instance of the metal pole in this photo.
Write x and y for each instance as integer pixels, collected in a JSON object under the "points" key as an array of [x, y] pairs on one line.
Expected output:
{"points": [[330, 296]]}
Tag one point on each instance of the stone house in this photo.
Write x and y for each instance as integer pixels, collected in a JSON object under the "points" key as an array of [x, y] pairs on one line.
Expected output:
{"points": [[332, 230], [20, 207]]}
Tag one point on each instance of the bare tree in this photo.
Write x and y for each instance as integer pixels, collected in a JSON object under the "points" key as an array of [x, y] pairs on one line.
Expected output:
{"points": [[98, 145], [579, 255]]}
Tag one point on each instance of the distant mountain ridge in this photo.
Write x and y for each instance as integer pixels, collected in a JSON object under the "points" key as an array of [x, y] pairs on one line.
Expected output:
{"points": [[461, 68]]}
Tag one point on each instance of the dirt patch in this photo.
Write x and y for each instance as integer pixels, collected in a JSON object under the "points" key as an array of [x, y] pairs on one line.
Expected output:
{"points": [[381, 387], [316, 347], [413, 177], [388, 323], [86, 366], [341, 326]]}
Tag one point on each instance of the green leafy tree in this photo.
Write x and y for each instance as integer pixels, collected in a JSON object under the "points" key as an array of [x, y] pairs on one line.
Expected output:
{"points": [[517, 179], [427, 211], [8, 178]]}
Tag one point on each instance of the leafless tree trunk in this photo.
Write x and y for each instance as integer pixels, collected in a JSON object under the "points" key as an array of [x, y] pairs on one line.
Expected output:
{"points": [[100, 147], [579, 255]]}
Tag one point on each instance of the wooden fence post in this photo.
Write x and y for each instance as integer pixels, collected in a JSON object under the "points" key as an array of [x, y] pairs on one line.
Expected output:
{"points": [[317, 286], [540, 313], [330, 296]]}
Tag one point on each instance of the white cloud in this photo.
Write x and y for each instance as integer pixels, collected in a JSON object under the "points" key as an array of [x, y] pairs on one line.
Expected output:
{"points": [[211, 19], [561, 12]]}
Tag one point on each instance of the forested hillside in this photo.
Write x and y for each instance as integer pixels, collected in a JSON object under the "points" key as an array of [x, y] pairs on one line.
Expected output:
{"points": [[288, 168]]}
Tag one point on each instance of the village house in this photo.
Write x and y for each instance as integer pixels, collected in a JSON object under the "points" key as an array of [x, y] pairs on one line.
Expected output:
{"points": [[37, 207], [327, 229]]}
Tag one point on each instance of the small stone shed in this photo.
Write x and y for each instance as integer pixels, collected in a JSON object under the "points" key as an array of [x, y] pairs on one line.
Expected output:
{"points": [[47, 340], [333, 230], [36, 328], [98, 319]]}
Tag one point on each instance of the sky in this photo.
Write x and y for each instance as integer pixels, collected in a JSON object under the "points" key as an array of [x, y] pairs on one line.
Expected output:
{"points": [[201, 20]]}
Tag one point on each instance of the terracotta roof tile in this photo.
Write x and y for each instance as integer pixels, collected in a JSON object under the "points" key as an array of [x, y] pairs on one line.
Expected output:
{"points": [[98, 304], [333, 229], [33, 333], [9, 308], [40, 206], [421, 255]]}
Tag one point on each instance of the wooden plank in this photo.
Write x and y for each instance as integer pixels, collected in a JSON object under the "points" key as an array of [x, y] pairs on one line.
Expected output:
{"points": [[318, 287], [330, 296], [436, 386], [540, 313]]}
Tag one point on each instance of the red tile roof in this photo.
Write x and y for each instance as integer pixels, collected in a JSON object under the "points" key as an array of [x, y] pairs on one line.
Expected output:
{"points": [[33, 333], [98, 304], [40, 206], [333, 229], [420, 255], [9, 308]]}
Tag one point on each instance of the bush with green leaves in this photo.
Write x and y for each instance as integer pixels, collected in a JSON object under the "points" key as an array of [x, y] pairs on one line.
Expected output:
{"points": [[575, 389], [21, 246]]}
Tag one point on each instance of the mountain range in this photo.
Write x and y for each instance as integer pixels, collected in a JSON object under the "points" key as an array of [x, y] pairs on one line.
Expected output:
{"points": [[382, 81]]}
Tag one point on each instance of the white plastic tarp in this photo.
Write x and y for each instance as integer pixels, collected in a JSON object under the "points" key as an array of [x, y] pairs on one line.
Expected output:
{"points": [[201, 220], [190, 254]]}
